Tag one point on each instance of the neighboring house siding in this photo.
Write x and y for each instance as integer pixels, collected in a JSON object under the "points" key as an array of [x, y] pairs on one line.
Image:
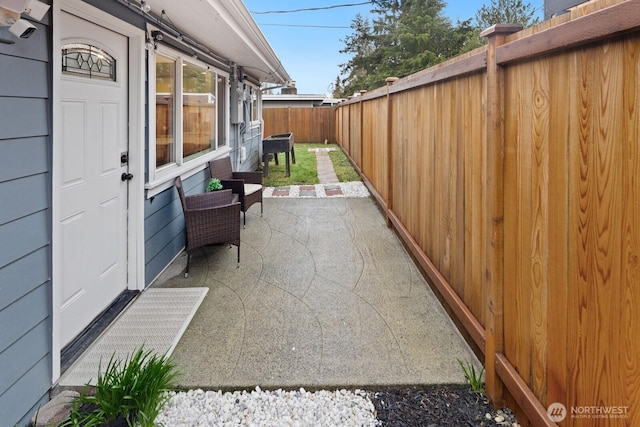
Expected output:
{"points": [[25, 224], [291, 104], [558, 7]]}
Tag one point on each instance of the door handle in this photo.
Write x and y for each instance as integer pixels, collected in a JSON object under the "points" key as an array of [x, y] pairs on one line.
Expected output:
{"points": [[126, 176]]}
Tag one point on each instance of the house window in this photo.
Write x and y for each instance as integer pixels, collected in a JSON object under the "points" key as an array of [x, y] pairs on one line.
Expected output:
{"points": [[88, 61], [190, 111], [199, 118], [165, 117], [254, 105]]}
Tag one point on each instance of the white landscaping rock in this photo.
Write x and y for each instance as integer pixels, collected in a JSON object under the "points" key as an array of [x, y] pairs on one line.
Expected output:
{"points": [[268, 408]]}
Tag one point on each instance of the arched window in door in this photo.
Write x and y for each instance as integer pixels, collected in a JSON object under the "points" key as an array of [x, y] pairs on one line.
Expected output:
{"points": [[84, 60]]}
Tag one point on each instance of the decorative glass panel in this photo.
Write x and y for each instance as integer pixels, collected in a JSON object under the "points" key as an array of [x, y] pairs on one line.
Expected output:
{"points": [[88, 61]]}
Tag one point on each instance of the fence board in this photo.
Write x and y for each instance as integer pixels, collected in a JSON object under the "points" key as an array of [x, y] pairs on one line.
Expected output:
{"points": [[571, 189], [307, 124], [558, 252], [571, 118], [629, 374]]}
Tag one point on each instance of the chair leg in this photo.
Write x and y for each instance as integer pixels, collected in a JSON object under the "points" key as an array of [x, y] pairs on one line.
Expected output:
{"points": [[244, 218], [261, 210], [238, 265], [186, 272]]}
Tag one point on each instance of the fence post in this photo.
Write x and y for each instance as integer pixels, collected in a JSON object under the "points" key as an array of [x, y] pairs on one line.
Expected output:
{"points": [[493, 211], [390, 81], [361, 137]]}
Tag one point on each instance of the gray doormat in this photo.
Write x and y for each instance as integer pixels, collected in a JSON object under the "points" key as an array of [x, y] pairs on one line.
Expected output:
{"points": [[156, 320]]}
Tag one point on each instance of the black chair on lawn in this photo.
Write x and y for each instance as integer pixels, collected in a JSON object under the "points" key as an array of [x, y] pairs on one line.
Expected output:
{"points": [[247, 185], [210, 218]]}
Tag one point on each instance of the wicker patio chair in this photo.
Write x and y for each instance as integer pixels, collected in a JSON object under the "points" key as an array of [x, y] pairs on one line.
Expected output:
{"points": [[209, 218], [247, 185]]}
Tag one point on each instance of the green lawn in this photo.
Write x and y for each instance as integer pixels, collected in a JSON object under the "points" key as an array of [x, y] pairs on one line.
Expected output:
{"points": [[342, 166], [305, 170]]}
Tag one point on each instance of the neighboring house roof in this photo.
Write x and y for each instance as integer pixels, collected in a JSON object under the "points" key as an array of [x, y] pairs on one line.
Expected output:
{"points": [[294, 97], [226, 28], [298, 100]]}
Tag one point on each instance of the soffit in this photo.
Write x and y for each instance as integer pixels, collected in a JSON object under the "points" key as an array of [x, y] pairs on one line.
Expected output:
{"points": [[226, 28]]}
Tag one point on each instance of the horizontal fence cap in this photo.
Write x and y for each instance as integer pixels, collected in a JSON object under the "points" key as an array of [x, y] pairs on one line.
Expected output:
{"points": [[391, 80], [501, 29]]}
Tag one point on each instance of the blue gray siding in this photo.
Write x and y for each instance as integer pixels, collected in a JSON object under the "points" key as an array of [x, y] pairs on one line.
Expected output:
{"points": [[25, 224], [163, 220], [252, 140], [164, 225]]}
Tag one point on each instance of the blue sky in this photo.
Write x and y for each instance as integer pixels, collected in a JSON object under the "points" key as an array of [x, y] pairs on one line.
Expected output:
{"points": [[311, 55]]}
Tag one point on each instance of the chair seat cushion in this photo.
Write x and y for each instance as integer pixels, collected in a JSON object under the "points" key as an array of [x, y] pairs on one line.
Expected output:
{"points": [[251, 188]]}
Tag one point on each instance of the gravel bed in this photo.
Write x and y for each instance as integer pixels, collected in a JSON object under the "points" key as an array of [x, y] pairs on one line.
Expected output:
{"points": [[429, 406], [268, 408], [352, 189]]}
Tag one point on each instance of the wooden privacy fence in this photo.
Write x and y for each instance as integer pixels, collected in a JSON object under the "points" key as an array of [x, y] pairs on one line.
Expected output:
{"points": [[512, 173], [307, 124]]}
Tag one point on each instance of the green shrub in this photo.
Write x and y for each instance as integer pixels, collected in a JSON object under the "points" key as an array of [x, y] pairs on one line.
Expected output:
{"points": [[214, 184], [133, 391]]}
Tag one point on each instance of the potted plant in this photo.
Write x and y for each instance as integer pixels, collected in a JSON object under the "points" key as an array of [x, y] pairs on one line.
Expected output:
{"points": [[214, 185]]}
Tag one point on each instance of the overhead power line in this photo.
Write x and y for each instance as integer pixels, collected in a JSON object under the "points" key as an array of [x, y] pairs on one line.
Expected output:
{"points": [[306, 26], [310, 8]]}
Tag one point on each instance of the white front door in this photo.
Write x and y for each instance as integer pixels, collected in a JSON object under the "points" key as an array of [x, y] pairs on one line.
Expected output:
{"points": [[93, 136]]}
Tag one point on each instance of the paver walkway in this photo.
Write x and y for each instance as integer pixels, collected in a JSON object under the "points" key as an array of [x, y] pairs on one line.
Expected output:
{"points": [[341, 189], [326, 173]]}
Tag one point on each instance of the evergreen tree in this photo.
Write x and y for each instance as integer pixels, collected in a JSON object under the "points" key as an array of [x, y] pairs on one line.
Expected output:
{"points": [[506, 12], [360, 45], [407, 36]]}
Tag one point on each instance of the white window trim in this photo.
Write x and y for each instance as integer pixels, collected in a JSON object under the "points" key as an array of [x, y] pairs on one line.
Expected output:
{"points": [[258, 94], [163, 178]]}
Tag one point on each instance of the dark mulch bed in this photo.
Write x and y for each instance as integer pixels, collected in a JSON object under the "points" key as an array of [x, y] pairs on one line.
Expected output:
{"points": [[450, 405], [88, 408]]}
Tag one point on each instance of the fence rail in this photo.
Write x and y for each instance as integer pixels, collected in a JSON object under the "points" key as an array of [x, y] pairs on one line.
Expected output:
{"points": [[512, 173]]}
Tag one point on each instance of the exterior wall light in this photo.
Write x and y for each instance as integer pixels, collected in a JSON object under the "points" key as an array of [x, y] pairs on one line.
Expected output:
{"points": [[152, 41], [146, 7]]}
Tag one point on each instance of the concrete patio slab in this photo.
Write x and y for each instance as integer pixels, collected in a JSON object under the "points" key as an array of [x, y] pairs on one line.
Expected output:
{"points": [[325, 296]]}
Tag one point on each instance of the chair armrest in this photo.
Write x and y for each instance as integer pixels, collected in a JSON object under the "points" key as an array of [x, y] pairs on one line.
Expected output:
{"points": [[231, 210], [249, 177], [203, 223], [235, 185], [209, 200]]}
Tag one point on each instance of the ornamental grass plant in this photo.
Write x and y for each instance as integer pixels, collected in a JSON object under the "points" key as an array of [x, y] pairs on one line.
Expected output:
{"points": [[474, 378], [130, 392]]}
